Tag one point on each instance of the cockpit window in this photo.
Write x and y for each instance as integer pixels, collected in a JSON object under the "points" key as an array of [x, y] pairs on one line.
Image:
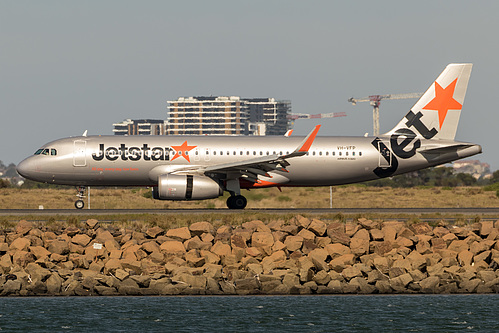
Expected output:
{"points": [[46, 151]]}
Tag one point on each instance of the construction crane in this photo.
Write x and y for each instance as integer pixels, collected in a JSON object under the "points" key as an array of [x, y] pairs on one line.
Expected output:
{"points": [[375, 101], [294, 116]]}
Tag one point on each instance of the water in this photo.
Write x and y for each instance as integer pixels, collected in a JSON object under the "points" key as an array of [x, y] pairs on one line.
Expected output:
{"points": [[422, 313]]}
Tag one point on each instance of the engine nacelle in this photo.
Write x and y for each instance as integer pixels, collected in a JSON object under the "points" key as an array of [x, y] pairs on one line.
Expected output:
{"points": [[186, 187]]}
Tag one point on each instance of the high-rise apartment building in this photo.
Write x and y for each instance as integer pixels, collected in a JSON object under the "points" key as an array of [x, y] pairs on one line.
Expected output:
{"points": [[207, 115], [271, 112], [140, 127], [223, 115]]}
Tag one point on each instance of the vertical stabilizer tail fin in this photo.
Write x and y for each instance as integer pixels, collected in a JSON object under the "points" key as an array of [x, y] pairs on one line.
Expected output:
{"points": [[436, 114]]}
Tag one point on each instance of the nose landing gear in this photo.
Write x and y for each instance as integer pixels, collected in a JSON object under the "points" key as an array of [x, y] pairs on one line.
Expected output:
{"points": [[79, 204]]}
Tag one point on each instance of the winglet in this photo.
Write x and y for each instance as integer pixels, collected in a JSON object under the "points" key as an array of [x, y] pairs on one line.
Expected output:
{"points": [[305, 145], [288, 133]]}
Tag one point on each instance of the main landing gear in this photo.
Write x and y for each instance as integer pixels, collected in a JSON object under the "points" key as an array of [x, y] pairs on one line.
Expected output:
{"points": [[236, 202], [79, 204]]}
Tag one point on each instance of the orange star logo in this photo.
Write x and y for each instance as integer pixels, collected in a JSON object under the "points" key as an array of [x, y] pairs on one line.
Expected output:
{"points": [[182, 150], [443, 101]]}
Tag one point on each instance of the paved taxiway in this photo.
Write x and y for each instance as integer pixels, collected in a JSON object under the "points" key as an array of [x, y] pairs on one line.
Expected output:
{"points": [[491, 212]]}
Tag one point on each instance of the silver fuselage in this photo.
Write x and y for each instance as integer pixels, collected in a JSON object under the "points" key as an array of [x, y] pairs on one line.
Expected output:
{"points": [[139, 160]]}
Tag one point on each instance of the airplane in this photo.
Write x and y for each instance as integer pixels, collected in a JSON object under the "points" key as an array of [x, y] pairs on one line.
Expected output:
{"points": [[203, 167]]}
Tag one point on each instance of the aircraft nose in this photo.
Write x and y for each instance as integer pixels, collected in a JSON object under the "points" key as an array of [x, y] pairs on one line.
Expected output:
{"points": [[26, 168]]}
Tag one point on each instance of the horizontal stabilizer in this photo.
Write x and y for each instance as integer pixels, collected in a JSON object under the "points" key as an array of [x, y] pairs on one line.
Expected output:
{"points": [[446, 149]]}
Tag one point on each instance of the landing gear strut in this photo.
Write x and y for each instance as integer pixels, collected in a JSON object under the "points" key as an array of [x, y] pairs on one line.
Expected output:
{"points": [[236, 202], [79, 204]]}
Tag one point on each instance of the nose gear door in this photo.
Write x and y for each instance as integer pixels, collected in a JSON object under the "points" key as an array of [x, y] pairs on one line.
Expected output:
{"points": [[79, 153]]}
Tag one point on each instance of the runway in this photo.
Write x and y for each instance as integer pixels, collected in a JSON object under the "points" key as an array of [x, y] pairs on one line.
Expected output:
{"points": [[489, 212]]}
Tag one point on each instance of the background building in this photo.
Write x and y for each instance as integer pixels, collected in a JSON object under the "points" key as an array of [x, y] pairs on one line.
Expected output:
{"points": [[270, 112], [227, 115], [140, 127], [207, 116]]}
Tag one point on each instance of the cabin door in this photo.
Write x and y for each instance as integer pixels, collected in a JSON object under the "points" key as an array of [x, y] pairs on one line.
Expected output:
{"points": [[79, 153], [385, 155]]}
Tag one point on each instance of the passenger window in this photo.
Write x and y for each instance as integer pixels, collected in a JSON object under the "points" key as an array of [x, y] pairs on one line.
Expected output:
{"points": [[320, 153], [360, 153], [254, 152], [313, 153], [346, 153], [334, 153], [53, 152], [327, 153], [247, 153], [339, 153], [353, 153], [214, 152]]}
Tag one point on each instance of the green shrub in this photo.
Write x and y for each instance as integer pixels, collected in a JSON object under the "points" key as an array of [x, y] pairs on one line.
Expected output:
{"points": [[491, 187], [283, 198], [255, 196]]}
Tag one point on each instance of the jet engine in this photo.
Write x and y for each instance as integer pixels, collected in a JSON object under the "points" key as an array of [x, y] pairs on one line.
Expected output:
{"points": [[186, 187]]}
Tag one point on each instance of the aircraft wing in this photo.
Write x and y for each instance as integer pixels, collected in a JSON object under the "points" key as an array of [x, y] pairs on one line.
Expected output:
{"points": [[254, 167]]}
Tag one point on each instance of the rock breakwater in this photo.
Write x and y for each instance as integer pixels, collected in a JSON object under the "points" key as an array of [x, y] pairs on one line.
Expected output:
{"points": [[295, 256]]}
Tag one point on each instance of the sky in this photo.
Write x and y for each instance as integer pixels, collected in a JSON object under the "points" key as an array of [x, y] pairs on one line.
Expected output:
{"points": [[71, 66]]}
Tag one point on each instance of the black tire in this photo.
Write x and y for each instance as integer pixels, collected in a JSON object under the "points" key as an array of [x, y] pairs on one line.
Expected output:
{"points": [[230, 202], [240, 202], [79, 204]]}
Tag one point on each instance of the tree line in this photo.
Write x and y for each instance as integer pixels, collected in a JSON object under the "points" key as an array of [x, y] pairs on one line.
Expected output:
{"points": [[439, 176]]}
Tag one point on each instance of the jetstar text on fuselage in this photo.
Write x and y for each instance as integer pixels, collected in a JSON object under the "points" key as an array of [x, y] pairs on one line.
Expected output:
{"points": [[133, 153]]}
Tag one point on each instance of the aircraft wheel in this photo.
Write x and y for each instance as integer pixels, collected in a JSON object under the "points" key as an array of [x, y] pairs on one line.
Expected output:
{"points": [[236, 202], [79, 204], [230, 202], [239, 202]]}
